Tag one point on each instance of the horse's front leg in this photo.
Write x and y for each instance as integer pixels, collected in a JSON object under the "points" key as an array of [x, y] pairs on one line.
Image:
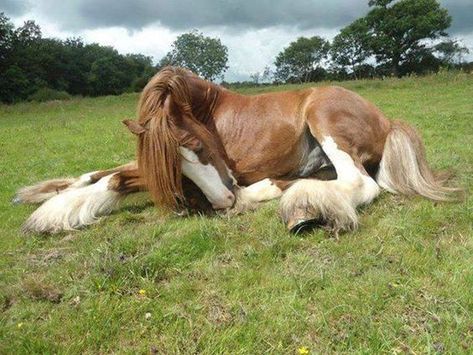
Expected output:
{"points": [[249, 197], [44, 190], [75, 208]]}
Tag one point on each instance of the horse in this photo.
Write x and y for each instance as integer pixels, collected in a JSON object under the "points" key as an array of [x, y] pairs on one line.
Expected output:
{"points": [[323, 151]]}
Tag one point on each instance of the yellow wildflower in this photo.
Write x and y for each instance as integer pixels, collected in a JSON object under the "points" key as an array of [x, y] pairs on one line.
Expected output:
{"points": [[19, 325], [142, 292], [303, 350]]}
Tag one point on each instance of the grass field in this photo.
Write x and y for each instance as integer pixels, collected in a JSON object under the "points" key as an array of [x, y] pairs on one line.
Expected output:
{"points": [[143, 282]]}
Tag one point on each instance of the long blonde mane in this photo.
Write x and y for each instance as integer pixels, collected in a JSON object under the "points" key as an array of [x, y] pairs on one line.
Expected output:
{"points": [[159, 160]]}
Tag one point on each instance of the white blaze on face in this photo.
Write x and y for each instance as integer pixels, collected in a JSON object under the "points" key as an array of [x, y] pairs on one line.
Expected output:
{"points": [[207, 178]]}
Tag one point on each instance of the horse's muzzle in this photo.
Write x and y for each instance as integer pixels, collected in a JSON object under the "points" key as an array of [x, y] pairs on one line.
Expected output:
{"points": [[227, 201]]}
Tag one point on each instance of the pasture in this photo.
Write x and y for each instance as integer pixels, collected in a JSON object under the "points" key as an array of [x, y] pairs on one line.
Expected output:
{"points": [[142, 281]]}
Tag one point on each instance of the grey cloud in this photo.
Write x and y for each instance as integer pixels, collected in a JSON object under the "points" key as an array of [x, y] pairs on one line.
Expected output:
{"points": [[73, 15], [462, 15], [14, 7], [185, 14]]}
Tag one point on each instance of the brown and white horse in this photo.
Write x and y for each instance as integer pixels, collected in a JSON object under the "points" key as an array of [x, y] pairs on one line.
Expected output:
{"points": [[324, 151]]}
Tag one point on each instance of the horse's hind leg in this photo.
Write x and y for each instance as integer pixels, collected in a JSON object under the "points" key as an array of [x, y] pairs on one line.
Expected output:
{"points": [[76, 208], [351, 132], [329, 203], [45, 190]]}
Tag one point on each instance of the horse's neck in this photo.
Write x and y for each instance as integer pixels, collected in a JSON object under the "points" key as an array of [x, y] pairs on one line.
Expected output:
{"points": [[205, 96]]}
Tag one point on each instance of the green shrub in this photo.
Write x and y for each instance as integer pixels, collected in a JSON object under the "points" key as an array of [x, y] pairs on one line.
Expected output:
{"points": [[47, 94]]}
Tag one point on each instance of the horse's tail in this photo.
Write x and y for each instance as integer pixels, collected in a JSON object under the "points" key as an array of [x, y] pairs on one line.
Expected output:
{"points": [[404, 169]]}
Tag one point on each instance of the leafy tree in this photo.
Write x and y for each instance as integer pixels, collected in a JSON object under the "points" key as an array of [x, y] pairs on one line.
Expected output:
{"points": [[29, 32], [14, 84], [78, 66], [109, 75], [47, 63], [6, 39], [398, 30], [6, 43], [204, 56], [350, 48], [421, 61], [143, 70], [14, 44], [255, 77], [262, 76], [267, 74], [451, 51], [300, 59]]}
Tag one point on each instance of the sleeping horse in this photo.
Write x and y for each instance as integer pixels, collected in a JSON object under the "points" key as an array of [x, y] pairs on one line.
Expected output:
{"points": [[324, 151]]}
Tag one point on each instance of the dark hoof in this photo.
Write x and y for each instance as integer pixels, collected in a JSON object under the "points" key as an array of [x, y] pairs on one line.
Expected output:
{"points": [[304, 226]]}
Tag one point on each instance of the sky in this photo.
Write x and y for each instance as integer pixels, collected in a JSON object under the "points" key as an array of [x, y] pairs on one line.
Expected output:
{"points": [[254, 31]]}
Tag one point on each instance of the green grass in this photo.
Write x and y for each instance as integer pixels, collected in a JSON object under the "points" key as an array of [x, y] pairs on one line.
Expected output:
{"points": [[402, 283]]}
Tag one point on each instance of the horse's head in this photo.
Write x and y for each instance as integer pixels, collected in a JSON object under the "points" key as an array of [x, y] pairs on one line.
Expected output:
{"points": [[173, 142], [203, 159], [200, 160]]}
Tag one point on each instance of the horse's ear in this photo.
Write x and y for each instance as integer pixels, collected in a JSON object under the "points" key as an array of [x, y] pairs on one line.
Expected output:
{"points": [[134, 127]]}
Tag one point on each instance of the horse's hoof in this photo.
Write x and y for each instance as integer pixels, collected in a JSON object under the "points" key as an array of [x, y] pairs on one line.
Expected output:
{"points": [[16, 200], [302, 226]]}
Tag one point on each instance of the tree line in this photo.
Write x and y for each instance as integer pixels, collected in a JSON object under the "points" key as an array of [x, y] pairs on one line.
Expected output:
{"points": [[394, 38], [29, 62]]}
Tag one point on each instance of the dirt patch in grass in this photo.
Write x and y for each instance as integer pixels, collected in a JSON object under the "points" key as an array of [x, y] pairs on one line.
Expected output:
{"points": [[41, 290], [218, 311]]}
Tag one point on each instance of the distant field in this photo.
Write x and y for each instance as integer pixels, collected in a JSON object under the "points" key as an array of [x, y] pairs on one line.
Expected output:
{"points": [[141, 282]]}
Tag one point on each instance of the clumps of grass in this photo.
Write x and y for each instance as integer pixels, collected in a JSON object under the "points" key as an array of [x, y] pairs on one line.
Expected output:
{"points": [[41, 290], [6, 301], [47, 94]]}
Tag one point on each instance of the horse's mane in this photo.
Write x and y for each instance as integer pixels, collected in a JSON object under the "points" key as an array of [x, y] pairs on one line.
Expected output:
{"points": [[158, 148]]}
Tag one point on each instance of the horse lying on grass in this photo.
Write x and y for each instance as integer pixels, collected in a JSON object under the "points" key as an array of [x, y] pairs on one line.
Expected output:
{"points": [[323, 151]]}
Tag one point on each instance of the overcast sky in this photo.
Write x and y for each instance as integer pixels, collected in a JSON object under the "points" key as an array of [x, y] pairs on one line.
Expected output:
{"points": [[254, 31]]}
